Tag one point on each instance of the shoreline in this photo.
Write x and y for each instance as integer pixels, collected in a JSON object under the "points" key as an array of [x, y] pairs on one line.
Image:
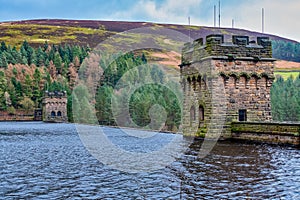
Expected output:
{"points": [[291, 139]]}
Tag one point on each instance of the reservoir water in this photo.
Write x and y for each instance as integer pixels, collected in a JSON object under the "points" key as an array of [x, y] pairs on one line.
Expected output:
{"points": [[49, 161]]}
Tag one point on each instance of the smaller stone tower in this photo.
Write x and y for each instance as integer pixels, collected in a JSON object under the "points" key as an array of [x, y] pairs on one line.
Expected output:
{"points": [[225, 82], [55, 107]]}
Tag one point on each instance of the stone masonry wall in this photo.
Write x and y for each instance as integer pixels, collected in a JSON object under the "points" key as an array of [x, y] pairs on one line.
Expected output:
{"points": [[247, 85], [55, 107], [220, 78], [267, 132]]}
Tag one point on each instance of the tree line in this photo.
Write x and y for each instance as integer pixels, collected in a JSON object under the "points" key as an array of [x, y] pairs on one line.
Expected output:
{"points": [[130, 84], [26, 73], [286, 50], [285, 99]]}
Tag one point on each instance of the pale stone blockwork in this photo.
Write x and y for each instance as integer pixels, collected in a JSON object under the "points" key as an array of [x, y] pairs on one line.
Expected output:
{"points": [[225, 82], [55, 107]]}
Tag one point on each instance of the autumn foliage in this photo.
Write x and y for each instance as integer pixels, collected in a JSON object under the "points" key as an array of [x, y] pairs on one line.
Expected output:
{"points": [[26, 73]]}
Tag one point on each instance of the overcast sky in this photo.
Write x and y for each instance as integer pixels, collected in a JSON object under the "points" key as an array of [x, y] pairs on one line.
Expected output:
{"points": [[281, 16]]}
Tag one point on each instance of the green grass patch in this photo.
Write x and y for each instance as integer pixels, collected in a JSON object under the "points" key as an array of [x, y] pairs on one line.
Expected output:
{"points": [[15, 34], [166, 43], [294, 69], [286, 75], [128, 38], [224, 32], [201, 132], [187, 27], [172, 27]]}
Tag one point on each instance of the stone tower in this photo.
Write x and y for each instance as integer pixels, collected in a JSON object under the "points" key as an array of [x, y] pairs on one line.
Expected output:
{"points": [[225, 82], [55, 107]]}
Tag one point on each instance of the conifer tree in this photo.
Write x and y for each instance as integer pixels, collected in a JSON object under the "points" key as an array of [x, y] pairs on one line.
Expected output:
{"points": [[3, 86], [58, 62], [3, 60]]}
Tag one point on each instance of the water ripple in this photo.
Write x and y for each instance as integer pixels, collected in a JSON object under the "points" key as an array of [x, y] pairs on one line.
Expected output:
{"points": [[47, 161]]}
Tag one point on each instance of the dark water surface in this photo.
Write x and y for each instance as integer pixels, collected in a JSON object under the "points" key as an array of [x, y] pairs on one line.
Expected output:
{"points": [[47, 161]]}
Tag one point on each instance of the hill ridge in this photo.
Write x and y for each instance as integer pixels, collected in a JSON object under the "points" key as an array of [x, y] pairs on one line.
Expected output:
{"points": [[196, 31]]}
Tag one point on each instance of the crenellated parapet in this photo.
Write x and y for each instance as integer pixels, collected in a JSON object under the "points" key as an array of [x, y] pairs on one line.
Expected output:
{"points": [[56, 94], [240, 47]]}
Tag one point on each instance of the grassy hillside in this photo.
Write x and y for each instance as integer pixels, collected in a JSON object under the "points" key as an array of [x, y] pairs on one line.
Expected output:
{"points": [[287, 68], [90, 32]]}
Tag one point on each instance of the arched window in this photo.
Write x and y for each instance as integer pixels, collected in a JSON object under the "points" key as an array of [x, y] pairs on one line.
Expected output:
{"points": [[199, 82], [256, 83], [194, 83], [59, 114], [201, 113], [52, 114]]}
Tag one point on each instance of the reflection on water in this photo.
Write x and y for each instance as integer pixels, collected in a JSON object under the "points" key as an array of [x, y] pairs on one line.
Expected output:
{"points": [[40, 160]]}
